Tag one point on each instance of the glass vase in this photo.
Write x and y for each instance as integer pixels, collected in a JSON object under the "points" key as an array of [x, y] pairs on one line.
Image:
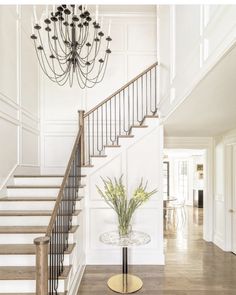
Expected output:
{"points": [[124, 230]]}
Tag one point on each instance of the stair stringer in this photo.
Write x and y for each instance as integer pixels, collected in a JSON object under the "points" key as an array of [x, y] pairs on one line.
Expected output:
{"points": [[100, 218]]}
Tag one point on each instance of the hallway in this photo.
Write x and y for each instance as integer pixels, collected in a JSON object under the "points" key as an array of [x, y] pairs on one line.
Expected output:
{"points": [[193, 267]]}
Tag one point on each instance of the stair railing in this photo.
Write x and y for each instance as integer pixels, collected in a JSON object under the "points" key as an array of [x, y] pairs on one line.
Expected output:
{"points": [[50, 249], [115, 116]]}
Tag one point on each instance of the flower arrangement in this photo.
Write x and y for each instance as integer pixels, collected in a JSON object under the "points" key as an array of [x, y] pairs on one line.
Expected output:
{"points": [[116, 197]]}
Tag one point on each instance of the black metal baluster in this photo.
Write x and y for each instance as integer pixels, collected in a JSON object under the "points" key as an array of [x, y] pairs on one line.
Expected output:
{"points": [[115, 141], [93, 135], [146, 94], [133, 103], [137, 102], [106, 123], [110, 124], [155, 69], [128, 114], [142, 97], [88, 135], [119, 114]]}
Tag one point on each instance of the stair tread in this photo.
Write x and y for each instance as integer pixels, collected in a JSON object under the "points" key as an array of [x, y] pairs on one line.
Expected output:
{"points": [[111, 146], [44, 175], [29, 229], [25, 249], [38, 186], [30, 212], [31, 199], [151, 116], [26, 293], [24, 272], [139, 126], [98, 156], [124, 136]]}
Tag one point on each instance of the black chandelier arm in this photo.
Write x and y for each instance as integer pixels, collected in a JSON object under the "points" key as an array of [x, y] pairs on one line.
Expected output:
{"points": [[92, 48], [41, 43], [63, 35], [42, 65], [83, 36], [94, 79], [64, 78], [58, 36], [97, 49], [102, 67], [53, 50]]}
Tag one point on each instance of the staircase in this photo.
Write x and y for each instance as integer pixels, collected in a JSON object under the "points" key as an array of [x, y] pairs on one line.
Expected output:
{"points": [[24, 215], [52, 206]]}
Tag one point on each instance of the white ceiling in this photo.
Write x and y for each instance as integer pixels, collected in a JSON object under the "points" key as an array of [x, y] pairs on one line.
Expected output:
{"points": [[211, 108], [183, 153], [113, 9]]}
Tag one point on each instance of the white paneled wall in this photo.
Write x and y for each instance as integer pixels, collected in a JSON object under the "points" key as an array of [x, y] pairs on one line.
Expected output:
{"points": [[133, 48], [142, 158], [19, 111], [192, 39]]}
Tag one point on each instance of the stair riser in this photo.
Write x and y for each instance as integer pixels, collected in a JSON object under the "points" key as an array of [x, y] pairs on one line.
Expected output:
{"points": [[28, 238], [35, 192], [29, 220], [24, 286], [47, 205], [38, 180], [23, 260]]}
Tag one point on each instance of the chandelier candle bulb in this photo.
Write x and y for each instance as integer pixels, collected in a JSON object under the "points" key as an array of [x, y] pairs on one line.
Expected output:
{"points": [[46, 13], [109, 28], [32, 25], [101, 22], [35, 15], [96, 16]]}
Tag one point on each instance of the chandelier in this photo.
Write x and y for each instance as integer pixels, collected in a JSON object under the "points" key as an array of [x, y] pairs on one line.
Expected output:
{"points": [[73, 46]]}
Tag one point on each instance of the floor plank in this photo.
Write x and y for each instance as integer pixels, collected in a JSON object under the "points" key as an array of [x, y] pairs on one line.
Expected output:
{"points": [[193, 266]]}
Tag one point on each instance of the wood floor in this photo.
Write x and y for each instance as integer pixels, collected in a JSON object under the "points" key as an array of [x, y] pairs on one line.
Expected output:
{"points": [[193, 267]]}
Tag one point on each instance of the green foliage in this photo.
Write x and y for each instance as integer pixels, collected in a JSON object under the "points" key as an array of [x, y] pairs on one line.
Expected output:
{"points": [[116, 197]]}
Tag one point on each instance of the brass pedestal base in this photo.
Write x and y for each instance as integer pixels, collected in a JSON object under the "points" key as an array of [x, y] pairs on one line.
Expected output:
{"points": [[125, 283]]}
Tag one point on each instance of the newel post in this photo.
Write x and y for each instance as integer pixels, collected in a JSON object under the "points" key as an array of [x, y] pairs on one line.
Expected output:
{"points": [[42, 265], [81, 126]]}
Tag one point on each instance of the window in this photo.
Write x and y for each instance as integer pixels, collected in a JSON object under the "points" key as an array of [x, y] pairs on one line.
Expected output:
{"points": [[183, 180], [166, 179]]}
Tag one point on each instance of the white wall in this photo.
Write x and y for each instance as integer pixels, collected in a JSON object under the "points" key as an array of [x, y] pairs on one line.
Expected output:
{"points": [[142, 158], [192, 39], [19, 112], [224, 189], [134, 35]]}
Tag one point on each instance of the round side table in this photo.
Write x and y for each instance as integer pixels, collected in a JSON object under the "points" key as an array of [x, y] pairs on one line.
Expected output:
{"points": [[125, 283]]}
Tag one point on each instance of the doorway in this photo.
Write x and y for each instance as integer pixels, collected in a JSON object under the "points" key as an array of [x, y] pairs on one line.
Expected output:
{"points": [[233, 209], [183, 189]]}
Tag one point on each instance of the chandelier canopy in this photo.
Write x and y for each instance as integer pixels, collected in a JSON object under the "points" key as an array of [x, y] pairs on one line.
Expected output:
{"points": [[71, 47]]}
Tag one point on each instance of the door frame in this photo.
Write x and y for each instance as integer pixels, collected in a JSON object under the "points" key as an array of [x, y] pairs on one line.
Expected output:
{"points": [[230, 191], [207, 144]]}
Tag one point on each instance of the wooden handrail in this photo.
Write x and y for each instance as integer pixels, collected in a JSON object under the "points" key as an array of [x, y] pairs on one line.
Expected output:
{"points": [[121, 89], [60, 194]]}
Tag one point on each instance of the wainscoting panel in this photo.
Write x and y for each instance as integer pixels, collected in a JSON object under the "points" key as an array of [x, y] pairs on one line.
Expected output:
{"points": [[19, 99], [59, 105], [139, 159]]}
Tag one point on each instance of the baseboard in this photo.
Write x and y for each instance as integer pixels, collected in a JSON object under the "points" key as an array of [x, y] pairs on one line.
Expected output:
{"points": [[17, 170], [78, 277], [218, 240], [7, 180], [136, 257]]}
